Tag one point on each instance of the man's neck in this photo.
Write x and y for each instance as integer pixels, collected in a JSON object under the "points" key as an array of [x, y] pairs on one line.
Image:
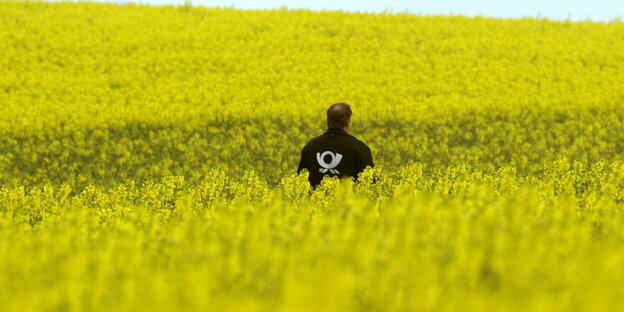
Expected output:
{"points": [[345, 130]]}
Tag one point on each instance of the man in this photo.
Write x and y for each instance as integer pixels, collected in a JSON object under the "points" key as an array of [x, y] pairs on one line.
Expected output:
{"points": [[335, 153]]}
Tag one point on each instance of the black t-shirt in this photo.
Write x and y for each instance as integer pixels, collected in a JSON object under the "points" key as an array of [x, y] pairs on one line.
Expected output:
{"points": [[334, 153]]}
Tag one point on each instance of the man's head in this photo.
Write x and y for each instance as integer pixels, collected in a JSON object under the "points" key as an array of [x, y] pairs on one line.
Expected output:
{"points": [[339, 116]]}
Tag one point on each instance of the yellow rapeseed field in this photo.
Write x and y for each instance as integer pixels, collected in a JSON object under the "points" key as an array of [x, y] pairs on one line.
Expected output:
{"points": [[147, 159]]}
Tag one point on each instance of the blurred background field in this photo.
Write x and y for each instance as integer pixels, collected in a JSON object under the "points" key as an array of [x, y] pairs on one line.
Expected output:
{"points": [[100, 93], [147, 158]]}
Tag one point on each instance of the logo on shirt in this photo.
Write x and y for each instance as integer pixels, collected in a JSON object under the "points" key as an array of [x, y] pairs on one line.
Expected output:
{"points": [[335, 160]]}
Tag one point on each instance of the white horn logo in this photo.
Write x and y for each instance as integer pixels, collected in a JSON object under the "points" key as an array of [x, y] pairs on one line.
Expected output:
{"points": [[335, 160]]}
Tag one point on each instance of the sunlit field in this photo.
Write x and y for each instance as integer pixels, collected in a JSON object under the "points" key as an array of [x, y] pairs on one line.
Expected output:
{"points": [[148, 158]]}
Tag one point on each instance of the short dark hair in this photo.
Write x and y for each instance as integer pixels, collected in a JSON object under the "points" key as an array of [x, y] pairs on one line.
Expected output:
{"points": [[338, 115]]}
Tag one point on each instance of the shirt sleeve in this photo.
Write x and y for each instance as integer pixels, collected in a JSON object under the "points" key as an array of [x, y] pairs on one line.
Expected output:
{"points": [[365, 159], [302, 161], [368, 158]]}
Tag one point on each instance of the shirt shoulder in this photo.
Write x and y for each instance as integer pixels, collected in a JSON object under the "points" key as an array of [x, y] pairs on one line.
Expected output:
{"points": [[360, 143], [314, 140]]}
